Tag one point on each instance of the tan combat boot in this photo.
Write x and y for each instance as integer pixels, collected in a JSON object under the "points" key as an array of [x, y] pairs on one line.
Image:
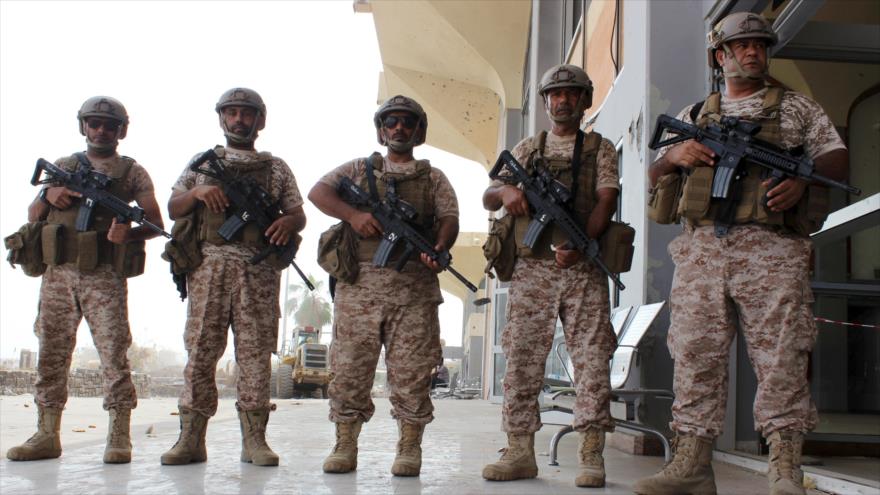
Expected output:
{"points": [[517, 462], [592, 463], [190, 446], [254, 448], [784, 471], [46, 442], [343, 458], [689, 472], [118, 450], [408, 461]]}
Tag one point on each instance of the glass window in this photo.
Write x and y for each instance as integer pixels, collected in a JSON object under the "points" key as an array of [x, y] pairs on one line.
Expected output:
{"points": [[500, 369], [500, 315]]}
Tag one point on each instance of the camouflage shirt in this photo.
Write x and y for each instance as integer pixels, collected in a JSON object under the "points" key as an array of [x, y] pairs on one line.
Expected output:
{"points": [[282, 184], [415, 283], [562, 147], [445, 202]]}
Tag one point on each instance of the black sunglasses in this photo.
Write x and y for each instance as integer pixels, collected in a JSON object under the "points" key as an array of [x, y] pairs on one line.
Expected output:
{"points": [[408, 122], [107, 124]]}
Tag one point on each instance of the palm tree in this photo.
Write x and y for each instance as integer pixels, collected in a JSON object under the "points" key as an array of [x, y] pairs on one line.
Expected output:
{"points": [[308, 307]]}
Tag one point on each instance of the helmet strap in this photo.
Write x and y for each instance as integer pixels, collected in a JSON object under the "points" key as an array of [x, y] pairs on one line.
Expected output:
{"points": [[249, 138], [740, 71], [579, 108]]}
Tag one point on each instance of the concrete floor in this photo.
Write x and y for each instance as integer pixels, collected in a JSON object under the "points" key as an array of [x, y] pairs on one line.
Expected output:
{"points": [[463, 438]]}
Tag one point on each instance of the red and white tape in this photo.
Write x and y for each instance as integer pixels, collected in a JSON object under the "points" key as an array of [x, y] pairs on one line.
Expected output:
{"points": [[846, 323]]}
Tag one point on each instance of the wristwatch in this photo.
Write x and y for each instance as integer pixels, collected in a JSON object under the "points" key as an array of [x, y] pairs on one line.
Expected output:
{"points": [[42, 195]]}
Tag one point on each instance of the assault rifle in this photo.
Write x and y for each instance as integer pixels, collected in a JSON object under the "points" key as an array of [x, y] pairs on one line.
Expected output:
{"points": [[251, 203], [549, 199], [734, 142], [395, 214], [93, 187]]}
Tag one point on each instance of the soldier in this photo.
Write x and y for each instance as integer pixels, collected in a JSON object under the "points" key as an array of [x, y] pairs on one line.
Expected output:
{"points": [[87, 277], [754, 269], [225, 289], [555, 280], [384, 307]]}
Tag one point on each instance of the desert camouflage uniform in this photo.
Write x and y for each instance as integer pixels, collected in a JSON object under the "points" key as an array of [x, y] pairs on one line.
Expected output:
{"points": [[539, 291], [101, 296], [397, 310], [227, 290], [757, 275]]}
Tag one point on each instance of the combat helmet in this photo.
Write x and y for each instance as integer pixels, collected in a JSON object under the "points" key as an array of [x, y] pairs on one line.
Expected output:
{"points": [[242, 97], [737, 26], [104, 107], [400, 103], [568, 76]]}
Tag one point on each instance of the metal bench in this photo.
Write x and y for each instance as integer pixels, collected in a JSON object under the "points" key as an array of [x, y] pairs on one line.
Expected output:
{"points": [[629, 326]]}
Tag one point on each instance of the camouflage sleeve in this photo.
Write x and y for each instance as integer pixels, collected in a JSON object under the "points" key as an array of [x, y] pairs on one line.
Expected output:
{"points": [[684, 116], [606, 166], [139, 181], [521, 153], [188, 178], [445, 201], [289, 196], [352, 169], [805, 122]]}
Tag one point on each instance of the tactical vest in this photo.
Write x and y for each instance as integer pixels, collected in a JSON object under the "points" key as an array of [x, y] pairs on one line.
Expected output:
{"points": [[209, 222], [414, 187], [561, 169], [696, 206], [61, 243]]}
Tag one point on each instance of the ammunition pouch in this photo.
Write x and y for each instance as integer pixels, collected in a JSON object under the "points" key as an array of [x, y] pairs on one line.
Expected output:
{"points": [[696, 194], [51, 241], [25, 249], [129, 258], [182, 251], [500, 248], [664, 198], [809, 214], [273, 259], [86, 250], [338, 253], [616, 247]]}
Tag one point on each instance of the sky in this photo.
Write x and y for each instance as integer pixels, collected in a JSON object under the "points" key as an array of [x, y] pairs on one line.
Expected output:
{"points": [[316, 65]]}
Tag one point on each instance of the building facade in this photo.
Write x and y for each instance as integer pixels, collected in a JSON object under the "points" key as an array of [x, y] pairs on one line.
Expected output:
{"points": [[647, 59]]}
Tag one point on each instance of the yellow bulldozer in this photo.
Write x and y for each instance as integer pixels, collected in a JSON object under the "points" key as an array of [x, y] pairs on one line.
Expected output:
{"points": [[304, 370]]}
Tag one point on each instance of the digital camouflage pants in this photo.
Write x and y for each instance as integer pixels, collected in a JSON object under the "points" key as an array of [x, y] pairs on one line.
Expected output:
{"points": [[760, 278], [410, 335], [226, 291], [539, 292], [66, 296]]}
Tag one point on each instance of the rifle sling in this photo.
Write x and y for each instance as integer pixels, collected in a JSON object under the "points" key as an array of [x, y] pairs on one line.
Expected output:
{"points": [[576, 164], [371, 178]]}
